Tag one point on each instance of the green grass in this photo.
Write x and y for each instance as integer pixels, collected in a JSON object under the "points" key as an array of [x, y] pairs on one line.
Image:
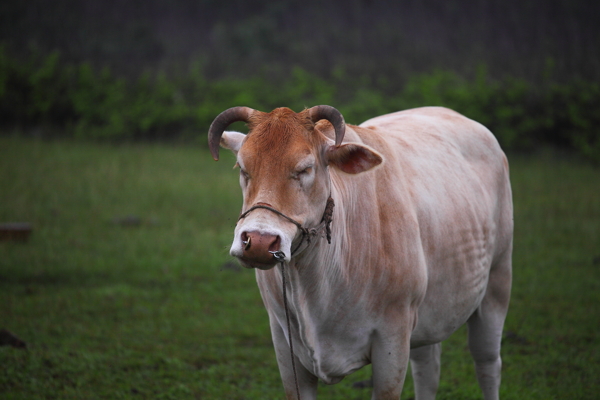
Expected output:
{"points": [[151, 312]]}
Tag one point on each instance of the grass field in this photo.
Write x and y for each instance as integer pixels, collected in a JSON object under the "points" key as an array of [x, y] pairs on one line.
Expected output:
{"points": [[126, 291]]}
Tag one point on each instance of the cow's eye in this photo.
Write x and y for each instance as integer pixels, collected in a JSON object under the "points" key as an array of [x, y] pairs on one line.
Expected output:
{"points": [[244, 174], [303, 172]]}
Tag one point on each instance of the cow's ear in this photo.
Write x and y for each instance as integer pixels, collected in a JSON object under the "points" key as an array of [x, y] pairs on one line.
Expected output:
{"points": [[353, 158], [232, 140]]}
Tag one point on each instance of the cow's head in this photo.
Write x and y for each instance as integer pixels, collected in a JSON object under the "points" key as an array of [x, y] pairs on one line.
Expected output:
{"points": [[283, 163]]}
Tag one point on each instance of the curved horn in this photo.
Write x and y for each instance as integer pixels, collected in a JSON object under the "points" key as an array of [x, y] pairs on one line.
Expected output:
{"points": [[222, 121], [332, 115]]}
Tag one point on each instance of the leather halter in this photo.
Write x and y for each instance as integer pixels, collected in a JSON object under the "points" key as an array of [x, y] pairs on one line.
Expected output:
{"points": [[307, 233]]}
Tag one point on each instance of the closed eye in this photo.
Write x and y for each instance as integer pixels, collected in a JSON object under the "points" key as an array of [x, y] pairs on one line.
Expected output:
{"points": [[302, 172], [304, 168]]}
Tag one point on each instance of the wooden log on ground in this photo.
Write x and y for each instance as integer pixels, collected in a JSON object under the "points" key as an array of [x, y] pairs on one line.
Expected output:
{"points": [[15, 231]]}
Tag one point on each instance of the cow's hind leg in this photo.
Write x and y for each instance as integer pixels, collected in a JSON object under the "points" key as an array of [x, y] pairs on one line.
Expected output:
{"points": [[485, 330], [425, 366]]}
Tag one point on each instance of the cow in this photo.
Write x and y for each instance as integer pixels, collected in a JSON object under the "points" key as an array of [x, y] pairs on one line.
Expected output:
{"points": [[393, 234]]}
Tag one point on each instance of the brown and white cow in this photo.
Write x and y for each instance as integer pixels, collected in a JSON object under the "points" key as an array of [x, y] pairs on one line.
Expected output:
{"points": [[421, 241]]}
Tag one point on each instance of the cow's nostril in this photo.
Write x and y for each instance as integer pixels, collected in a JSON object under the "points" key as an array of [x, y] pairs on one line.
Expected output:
{"points": [[275, 245], [246, 241]]}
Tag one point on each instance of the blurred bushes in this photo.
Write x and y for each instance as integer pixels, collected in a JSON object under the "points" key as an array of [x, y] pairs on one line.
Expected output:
{"points": [[78, 101]]}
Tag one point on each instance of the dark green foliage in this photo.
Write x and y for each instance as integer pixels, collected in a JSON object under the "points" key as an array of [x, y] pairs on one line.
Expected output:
{"points": [[97, 104], [397, 38]]}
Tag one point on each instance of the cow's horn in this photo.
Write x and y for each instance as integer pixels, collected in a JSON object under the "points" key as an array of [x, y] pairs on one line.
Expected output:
{"points": [[332, 115], [222, 121]]}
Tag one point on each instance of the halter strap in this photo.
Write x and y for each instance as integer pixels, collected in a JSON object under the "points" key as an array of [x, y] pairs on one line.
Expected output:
{"points": [[307, 233], [293, 221]]}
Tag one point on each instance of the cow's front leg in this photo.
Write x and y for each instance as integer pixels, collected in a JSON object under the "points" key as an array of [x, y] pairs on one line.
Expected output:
{"points": [[307, 382], [389, 356]]}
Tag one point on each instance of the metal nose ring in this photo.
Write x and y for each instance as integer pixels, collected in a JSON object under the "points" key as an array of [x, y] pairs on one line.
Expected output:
{"points": [[246, 243], [279, 255]]}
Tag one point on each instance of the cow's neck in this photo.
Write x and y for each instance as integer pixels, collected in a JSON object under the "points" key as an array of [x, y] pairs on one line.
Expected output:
{"points": [[322, 266], [326, 287]]}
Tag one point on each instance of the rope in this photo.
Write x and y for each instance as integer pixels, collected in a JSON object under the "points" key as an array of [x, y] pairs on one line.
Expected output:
{"points": [[280, 256], [293, 221]]}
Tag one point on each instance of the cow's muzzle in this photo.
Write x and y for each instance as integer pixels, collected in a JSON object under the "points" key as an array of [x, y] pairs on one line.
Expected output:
{"points": [[258, 249]]}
